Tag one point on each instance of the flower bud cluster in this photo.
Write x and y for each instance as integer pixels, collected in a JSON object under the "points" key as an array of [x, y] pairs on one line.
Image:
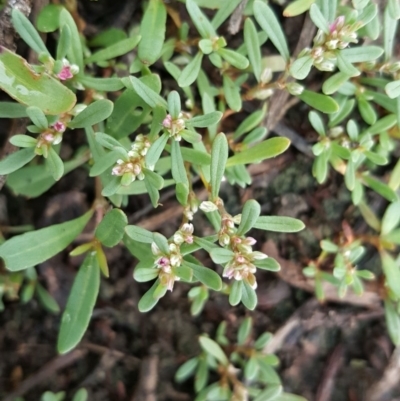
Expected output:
{"points": [[241, 266], [132, 168], [174, 126], [166, 263], [325, 44], [68, 70], [51, 136]]}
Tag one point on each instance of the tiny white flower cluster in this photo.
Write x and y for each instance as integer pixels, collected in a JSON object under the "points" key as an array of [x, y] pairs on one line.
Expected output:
{"points": [[174, 126], [131, 169], [168, 262], [51, 136], [339, 37], [241, 266]]}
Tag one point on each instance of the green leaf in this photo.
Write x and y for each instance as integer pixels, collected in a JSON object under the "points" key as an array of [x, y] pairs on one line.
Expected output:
{"points": [[232, 93], [23, 141], [361, 54], [111, 228], [301, 67], [264, 150], [270, 394], [334, 82], [269, 264], [253, 47], [376, 158], [37, 117], [139, 234], [392, 322], [250, 214], [28, 32], [152, 98], [54, 164], [249, 296], [16, 160], [234, 58], [81, 395], [369, 216], [154, 153], [200, 21], [219, 157], [318, 18], [46, 299], [380, 187], [297, 7], [270, 24], [328, 8], [226, 9], [394, 9], [152, 31], [48, 19], [81, 301], [366, 110], [64, 42], [93, 114], [392, 272], [221, 255], [32, 248], [117, 49], [320, 102], [391, 218], [101, 84], [190, 73], [235, 294], [174, 104], [212, 348], [12, 110], [32, 89], [144, 274], [205, 275], [75, 52], [178, 166], [317, 122], [244, 330], [280, 224], [345, 66], [249, 123], [389, 34], [205, 120], [350, 175], [392, 89], [186, 370], [148, 300]]}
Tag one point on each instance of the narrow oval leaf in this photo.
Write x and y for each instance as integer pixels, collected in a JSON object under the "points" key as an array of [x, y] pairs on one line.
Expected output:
{"points": [[144, 274], [117, 49], [32, 248], [392, 89], [32, 89], [54, 164], [190, 73], [391, 218], [264, 150], [318, 18], [12, 110], [251, 212], [200, 21], [37, 117], [28, 32], [249, 296], [16, 160], [23, 141], [139, 234], [392, 322], [93, 114], [152, 31], [206, 276], [221, 255], [270, 24], [237, 60], [392, 272], [268, 264], [320, 102], [148, 300], [212, 348], [301, 67], [280, 224], [361, 54], [101, 84], [174, 104], [205, 120], [154, 153], [82, 298], [253, 47], [219, 157], [111, 229], [334, 82], [297, 7], [235, 294], [152, 98]]}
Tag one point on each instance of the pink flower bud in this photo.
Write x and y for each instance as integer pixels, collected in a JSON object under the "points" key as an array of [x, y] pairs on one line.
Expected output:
{"points": [[59, 126], [65, 73]]}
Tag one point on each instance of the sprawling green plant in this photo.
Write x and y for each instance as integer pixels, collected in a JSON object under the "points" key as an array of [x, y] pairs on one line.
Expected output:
{"points": [[142, 139]]}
